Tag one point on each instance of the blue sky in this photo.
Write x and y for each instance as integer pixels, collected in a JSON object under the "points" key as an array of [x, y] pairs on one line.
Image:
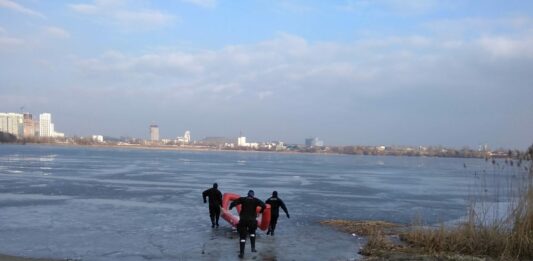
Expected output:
{"points": [[449, 73]]}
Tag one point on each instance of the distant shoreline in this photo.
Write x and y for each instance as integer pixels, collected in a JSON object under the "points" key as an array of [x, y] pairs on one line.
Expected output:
{"points": [[212, 149]]}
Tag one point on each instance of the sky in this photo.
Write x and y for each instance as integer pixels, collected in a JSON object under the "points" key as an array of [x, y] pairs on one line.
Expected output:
{"points": [[351, 72]]}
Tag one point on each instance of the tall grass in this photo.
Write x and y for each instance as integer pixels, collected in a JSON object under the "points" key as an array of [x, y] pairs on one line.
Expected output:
{"points": [[506, 237]]}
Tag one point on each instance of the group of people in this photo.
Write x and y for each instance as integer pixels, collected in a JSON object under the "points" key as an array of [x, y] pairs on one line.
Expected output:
{"points": [[247, 217]]}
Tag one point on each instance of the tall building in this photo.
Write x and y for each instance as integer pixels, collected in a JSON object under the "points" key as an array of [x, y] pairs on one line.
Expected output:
{"points": [[3, 122], [29, 128], [187, 137], [241, 141], [12, 123], [313, 142], [45, 125], [154, 132]]}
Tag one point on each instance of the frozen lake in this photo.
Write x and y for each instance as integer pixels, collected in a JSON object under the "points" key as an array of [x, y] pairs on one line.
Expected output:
{"points": [[122, 204]]}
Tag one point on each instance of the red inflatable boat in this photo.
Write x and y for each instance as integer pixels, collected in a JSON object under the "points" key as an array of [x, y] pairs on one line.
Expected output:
{"points": [[262, 222]]}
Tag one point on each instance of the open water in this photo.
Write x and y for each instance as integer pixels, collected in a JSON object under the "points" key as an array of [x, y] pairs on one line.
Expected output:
{"points": [[133, 204]]}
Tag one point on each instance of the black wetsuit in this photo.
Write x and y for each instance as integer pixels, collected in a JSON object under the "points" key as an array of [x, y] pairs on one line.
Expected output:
{"points": [[215, 203], [247, 219], [275, 203]]}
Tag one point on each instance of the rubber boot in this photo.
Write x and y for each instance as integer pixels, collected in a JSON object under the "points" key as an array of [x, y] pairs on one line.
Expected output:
{"points": [[241, 250], [252, 242]]}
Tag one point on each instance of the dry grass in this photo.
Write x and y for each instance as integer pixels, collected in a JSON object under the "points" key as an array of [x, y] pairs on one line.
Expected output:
{"points": [[478, 238], [508, 238], [378, 244], [363, 228]]}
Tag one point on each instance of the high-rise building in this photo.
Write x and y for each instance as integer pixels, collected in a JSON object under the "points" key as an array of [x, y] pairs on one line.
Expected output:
{"points": [[241, 141], [154, 132], [3, 122], [187, 137], [45, 125], [29, 128], [12, 123], [313, 142]]}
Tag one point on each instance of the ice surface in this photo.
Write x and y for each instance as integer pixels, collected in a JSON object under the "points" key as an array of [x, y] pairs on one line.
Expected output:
{"points": [[124, 204]]}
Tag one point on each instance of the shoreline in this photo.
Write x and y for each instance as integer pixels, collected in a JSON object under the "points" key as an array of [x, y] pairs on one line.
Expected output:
{"points": [[210, 149]]}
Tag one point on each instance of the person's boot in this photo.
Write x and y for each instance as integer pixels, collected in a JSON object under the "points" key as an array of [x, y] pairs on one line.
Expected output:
{"points": [[268, 231], [241, 248], [272, 232], [252, 242]]}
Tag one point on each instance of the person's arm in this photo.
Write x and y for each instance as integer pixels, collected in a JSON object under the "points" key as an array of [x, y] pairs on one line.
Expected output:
{"points": [[235, 203], [262, 205], [204, 195], [282, 205]]}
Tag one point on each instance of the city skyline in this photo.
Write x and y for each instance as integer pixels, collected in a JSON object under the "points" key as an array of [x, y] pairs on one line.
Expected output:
{"points": [[350, 72]]}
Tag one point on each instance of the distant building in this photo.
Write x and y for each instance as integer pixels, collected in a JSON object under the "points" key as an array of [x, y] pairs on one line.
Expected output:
{"points": [[241, 141], [3, 122], [98, 138], [29, 127], [314, 142], [154, 132], [45, 125], [186, 139], [12, 123]]}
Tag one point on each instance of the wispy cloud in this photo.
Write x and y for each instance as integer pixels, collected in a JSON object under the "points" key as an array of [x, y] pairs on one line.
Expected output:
{"points": [[202, 3], [56, 32], [6, 41], [118, 13], [398, 7], [19, 8]]}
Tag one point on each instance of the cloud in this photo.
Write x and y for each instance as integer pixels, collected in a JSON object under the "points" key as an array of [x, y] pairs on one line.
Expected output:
{"points": [[56, 32], [425, 87], [6, 41], [118, 13], [400, 7], [289, 64], [19, 8], [202, 3]]}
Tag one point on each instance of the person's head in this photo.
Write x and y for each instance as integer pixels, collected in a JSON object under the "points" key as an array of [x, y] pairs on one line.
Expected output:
{"points": [[275, 194], [251, 193], [215, 185]]}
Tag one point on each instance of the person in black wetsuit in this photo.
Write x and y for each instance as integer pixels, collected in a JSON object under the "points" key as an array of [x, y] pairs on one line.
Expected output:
{"points": [[247, 219], [275, 203], [215, 203]]}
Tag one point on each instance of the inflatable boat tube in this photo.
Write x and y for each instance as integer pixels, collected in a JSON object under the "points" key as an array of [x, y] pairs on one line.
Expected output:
{"points": [[262, 222]]}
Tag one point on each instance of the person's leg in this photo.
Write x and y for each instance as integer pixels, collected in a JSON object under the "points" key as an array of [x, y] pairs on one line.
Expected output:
{"points": [[251, 229], [217, 215], [272, 225], [212, 215], [241, 228]]}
